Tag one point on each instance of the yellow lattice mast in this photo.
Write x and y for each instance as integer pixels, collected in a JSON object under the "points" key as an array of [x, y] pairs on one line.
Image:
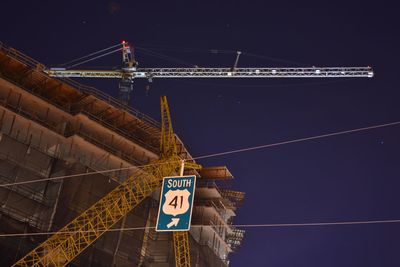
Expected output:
{"points": [[168, 150], [62, 247]]}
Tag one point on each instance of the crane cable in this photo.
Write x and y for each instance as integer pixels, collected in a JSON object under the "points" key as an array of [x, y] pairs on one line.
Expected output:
{"points": [[90, 59], [225, 51], [164, 56], [235, 151], [91, 54]]}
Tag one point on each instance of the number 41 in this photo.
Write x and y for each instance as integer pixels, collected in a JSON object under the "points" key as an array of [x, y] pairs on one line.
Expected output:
{"points": [[174, 202]]}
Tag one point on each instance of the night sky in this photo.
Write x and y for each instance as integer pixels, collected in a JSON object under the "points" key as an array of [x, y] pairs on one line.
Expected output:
{"points": [[343, 178]]}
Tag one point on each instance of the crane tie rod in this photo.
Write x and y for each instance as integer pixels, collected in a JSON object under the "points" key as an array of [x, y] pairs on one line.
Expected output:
{"points": [[91, 54]]}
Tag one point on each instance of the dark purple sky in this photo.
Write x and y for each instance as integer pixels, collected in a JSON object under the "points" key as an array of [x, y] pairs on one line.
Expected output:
{"points": [[342, 178]]}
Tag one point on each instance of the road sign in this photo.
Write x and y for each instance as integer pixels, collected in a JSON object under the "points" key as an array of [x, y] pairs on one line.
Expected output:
{"points": [[176, 203]]}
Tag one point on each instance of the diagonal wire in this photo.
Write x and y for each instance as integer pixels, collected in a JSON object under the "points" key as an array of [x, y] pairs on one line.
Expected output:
{"points": [[263, 225], [90, 59], [163, 56], [297, 140], [91, 54], [224, 51], [213, 155], [78, 175], [290, 62]]}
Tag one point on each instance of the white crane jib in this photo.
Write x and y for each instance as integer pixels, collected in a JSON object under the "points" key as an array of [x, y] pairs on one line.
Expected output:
{"points": [[130, 71]]}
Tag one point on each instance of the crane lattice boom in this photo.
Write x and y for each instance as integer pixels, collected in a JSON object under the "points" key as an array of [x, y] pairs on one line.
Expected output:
{"points": [[312, 72], [130, 71]]}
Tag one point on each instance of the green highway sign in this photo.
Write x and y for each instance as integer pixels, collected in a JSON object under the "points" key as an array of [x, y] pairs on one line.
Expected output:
{"points": [[176, 203]]}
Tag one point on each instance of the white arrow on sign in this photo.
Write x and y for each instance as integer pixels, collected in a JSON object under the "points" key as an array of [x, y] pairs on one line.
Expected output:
{"points": [[174, 222]]}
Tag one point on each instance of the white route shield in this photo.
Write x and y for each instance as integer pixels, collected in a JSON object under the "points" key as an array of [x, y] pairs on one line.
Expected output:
{"points": [[176, 202]]}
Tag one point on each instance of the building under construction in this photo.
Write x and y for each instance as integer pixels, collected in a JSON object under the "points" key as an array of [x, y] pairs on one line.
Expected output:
{"points": [[58, 128]]}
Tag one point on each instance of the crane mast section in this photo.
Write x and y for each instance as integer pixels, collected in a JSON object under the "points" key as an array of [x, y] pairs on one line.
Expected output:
{"points": [[181, 249], [313, 72]]}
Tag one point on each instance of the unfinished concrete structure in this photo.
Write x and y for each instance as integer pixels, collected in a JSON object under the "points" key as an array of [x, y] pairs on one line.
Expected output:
{"points": [[51, 128]]}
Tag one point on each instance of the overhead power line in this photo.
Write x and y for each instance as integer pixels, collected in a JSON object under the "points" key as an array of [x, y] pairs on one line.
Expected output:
{"points": [[214, 154], [265, 225], [298, 140], [76, 175]]}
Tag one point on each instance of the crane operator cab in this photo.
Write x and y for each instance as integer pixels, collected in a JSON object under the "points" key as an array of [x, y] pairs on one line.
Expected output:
{"points": [[129, 65]]}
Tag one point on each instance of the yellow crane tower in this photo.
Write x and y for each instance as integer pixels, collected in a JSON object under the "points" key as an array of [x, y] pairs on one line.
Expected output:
{"points": [[62, 247]]}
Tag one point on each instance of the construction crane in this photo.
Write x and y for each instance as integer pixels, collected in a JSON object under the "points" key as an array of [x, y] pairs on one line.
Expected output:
{"points": [[77, 235], [62, 247], [130, 71]]}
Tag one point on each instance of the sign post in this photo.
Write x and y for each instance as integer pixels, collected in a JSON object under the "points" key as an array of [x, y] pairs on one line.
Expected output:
{"points": [[176, 203]]}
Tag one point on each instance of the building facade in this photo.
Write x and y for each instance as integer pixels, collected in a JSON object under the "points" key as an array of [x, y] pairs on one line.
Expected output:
{"points": [[51, 128]]}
